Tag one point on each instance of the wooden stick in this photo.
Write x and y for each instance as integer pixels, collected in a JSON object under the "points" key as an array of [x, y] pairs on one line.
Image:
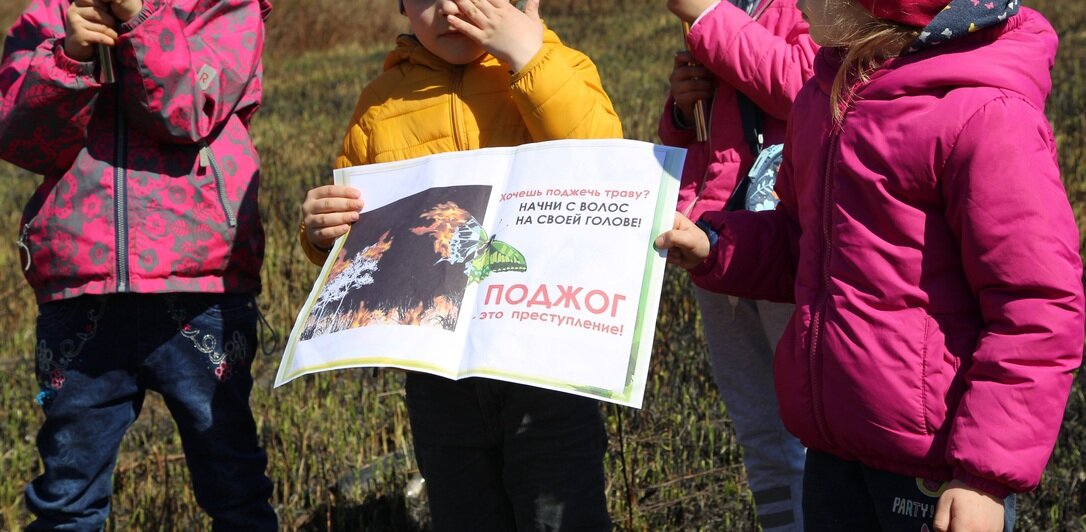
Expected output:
{"points": [[701, 130]]}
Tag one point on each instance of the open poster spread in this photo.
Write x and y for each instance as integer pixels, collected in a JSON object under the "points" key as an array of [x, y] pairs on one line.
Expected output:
{"points": [[531, 264]]}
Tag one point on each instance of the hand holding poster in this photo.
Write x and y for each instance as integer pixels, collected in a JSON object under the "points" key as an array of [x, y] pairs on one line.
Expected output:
{"points": [[531, 264]]}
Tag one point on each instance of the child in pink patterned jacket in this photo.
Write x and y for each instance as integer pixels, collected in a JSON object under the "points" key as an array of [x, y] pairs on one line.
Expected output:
{"points": [[143, 243]]}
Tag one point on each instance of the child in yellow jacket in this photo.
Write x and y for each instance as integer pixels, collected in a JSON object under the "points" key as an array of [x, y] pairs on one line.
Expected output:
{"points": [[476, 74]]}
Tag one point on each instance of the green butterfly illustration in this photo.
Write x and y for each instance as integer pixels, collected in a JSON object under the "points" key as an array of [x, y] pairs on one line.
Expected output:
{"points": [[487, 254]]}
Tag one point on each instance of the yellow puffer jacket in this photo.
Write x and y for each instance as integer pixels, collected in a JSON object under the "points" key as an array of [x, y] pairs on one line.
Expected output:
{"points": [[421, 105]]}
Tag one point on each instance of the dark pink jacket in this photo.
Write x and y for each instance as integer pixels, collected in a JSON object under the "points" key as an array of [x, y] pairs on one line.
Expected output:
{"points": [[934, 261], [768, 59], [150, 184]]}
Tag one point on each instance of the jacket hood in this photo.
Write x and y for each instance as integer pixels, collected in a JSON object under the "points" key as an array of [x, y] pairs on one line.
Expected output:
{"points": [[410, 50], [1017, 56]]}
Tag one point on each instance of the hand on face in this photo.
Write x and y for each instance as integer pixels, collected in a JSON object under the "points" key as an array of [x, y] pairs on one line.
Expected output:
{"points": [[688, 10], [328, 212], [690, 82], [962, 508], [501, 29], [686, 243], [89, 23]]}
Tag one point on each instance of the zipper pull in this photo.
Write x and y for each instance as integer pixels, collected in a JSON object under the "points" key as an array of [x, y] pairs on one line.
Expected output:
{"points": [[205, 159], [24, 246]]}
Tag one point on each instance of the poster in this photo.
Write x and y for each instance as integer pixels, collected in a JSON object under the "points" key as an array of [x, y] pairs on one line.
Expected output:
{"points": [[531, 264]]}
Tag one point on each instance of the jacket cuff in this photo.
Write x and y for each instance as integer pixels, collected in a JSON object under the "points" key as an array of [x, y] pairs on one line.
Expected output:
{"points": [[713, 234], [149, 7], [316, 256], [532, 64], [991, 487], [67, 64]]}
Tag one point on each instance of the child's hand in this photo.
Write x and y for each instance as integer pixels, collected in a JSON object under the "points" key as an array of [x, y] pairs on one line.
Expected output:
{"points": [[124, 10], [89, 23], [501, 29], [688, 10], [328, 213], [690, 82], [686, 243], [962, 508]]}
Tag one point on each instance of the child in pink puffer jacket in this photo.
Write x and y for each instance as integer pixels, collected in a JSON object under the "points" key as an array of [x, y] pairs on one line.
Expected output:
{"points": [[928, 244]]}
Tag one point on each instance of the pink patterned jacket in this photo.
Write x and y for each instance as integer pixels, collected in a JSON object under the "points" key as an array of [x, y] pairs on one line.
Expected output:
{"points": [[150, 184]]}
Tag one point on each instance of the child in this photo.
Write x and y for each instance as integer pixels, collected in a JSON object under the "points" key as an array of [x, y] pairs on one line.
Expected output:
{"points": [[475, 74], [746, 89], [928, 244], [143, 243]]}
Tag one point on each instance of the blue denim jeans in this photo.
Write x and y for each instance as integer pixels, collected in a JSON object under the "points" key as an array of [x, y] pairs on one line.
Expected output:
{"points": [[499, 456], [844, 496], [96, 358]]}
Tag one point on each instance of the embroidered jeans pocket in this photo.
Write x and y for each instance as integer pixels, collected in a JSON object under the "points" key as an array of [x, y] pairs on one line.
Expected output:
{"points": [[64, 328], [220, 327]]}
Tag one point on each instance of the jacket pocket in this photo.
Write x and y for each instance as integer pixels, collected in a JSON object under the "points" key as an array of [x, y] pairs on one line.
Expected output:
{"points": [[949, 339]]}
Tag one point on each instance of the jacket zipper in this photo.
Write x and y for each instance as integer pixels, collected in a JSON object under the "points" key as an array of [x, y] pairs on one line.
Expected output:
{"points": [[819, 310], [208, 160], [454, 99], [120, 196]]}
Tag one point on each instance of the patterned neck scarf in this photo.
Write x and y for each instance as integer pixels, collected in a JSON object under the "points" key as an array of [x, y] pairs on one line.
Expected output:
{"points": [[962, 17]]}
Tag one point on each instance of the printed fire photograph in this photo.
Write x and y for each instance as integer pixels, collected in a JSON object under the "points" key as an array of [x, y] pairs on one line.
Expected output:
{"points": [[408, 263]]}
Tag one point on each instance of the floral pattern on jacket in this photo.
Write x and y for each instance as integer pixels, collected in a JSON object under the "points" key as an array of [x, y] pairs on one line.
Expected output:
{"points": [[150, 183]]}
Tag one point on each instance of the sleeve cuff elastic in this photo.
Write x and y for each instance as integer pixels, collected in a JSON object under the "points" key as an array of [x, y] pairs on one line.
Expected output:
{"points": [[706, 265], [991, 487], [532, 64], [710, 233], [149, 7], [67, 64]]}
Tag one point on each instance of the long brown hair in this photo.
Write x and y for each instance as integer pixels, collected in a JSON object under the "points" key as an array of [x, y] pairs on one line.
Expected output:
{"points": [[866, 45]]}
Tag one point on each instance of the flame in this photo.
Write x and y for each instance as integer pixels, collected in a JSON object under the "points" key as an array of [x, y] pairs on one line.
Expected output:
{"points": [[447, 218], [378, 249], [442, 311], [362, 316]]}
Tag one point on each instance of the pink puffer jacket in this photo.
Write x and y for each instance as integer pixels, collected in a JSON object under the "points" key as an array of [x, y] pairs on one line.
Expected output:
{"points": [[934, 261], [768, 59], [150, 184]]}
